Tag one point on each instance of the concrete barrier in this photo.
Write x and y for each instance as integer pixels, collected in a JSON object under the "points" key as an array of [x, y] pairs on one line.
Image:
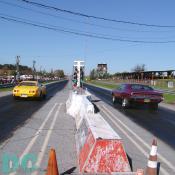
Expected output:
{"points": [[79, 106], [99, 147]]}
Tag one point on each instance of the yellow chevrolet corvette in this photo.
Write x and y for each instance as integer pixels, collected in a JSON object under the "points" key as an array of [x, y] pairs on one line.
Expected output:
{"points": [[27, 89]]}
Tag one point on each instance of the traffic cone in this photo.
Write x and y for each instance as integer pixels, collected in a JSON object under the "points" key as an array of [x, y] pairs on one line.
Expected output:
{"points": [[152, 162], [140, 172], [52, 168]]}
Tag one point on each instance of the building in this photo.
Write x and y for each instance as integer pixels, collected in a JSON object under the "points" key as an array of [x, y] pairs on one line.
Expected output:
{"points": [[102, 69]]}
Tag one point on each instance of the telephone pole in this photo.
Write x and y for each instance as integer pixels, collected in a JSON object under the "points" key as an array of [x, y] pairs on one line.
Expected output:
{"points": [[17, 68], [34, 69]]}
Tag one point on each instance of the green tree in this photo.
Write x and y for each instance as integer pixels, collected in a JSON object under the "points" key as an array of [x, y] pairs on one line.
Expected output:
{"points": [[93, 74]]}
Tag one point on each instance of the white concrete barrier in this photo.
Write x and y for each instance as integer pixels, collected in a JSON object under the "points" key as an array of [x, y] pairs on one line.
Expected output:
{"points": [[99, 147], [79, 106]]}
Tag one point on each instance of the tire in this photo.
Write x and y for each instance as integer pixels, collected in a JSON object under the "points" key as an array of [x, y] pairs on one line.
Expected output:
{"points": [[40, 96], [15, 98], [154, 106], [125, 103], [44, 96], [113, 99]]}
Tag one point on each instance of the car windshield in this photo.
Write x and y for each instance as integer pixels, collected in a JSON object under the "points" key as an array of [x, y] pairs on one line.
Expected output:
{"points": [[27, 84], [141, 87]]}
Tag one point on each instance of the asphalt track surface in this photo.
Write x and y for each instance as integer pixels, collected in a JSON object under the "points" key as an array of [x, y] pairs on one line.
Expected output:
{"points": [[14, 113], [29, 126], [34, 127], [137, 127]]}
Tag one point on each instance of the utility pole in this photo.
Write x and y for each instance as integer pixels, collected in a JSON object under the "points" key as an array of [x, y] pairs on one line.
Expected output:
{"points": [[17, 68], [34, 69]]}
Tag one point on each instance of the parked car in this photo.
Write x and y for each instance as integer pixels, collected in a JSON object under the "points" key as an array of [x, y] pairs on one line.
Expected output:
{"points": [[129, 94], [27, 89]]}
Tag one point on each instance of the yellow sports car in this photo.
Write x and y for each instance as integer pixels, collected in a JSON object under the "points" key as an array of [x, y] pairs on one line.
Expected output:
{"points": [[27, 89]]}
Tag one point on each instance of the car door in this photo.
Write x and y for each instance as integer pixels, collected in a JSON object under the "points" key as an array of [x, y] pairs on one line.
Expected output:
{"points": [[120, 91]]}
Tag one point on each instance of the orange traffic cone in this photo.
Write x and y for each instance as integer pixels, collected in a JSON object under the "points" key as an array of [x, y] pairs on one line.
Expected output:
{"points": [[140, 172], [152, 162], [52, 168]]}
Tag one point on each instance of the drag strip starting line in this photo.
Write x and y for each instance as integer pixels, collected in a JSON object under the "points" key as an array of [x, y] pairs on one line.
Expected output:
{"points": [[111, 116], [33, 140]]}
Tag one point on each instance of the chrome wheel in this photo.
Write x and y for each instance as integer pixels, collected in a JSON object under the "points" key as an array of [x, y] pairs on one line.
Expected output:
{"points": [[113, 99], [125, 103]]}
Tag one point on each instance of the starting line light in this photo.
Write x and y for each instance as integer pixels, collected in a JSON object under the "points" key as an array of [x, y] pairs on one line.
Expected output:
{"points": [[78, 73]]}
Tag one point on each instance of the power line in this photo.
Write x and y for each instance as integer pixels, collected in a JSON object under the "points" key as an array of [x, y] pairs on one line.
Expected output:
{"points": [[94, 17], [87, 23], [82, 34], [86, 32]]}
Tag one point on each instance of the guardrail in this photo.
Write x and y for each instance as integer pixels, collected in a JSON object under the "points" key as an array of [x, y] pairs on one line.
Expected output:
{"points": [[7, 85], [166, 91]]}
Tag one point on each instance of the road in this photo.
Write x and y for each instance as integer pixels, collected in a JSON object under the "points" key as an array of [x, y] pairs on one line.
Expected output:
{"points": [[138, 127], [33, 127], [29, 126]]}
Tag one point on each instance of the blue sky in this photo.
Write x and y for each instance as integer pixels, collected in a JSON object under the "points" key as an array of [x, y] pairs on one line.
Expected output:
{"points": [[55, 50]]}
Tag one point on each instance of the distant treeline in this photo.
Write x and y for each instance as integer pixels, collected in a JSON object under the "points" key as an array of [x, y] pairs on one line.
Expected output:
{"points": [[10, 69], [13, 67]]}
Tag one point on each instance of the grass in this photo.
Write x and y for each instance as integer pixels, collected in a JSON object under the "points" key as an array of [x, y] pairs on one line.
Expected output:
{"points": [[168, 98], [6, 89], [101, 84]]}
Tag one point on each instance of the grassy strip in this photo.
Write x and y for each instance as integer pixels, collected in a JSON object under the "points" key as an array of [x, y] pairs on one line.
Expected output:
{"points": [[101, 84], [6, 89], [168, 98]]}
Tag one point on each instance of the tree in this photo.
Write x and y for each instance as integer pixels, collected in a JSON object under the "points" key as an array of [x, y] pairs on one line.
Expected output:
{"points": [[59, 73], [93, 74], [139, 68]]}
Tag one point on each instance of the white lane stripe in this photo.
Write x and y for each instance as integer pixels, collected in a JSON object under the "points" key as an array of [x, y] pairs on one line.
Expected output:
{"points": [[33, 140], [163, 159], [107, 112], [44, 146]]}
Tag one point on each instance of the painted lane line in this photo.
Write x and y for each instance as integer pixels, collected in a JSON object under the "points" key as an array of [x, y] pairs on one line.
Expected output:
{"points": [[44, 146], [33, 140], [162, 158], [109, 115]]}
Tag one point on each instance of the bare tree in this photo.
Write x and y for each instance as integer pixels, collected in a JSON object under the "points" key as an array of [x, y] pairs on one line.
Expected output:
{"points": [[139, 68]]}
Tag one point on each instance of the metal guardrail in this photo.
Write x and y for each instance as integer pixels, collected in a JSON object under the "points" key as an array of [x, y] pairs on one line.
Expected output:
{"points": [[166, 91], [8, 85]]}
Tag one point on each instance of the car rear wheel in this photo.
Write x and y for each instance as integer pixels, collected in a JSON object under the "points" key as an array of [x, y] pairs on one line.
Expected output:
{"points": [[44, 96], [154, 106], [15, 97], [40, 96], [113, 99], [125, 103]]}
